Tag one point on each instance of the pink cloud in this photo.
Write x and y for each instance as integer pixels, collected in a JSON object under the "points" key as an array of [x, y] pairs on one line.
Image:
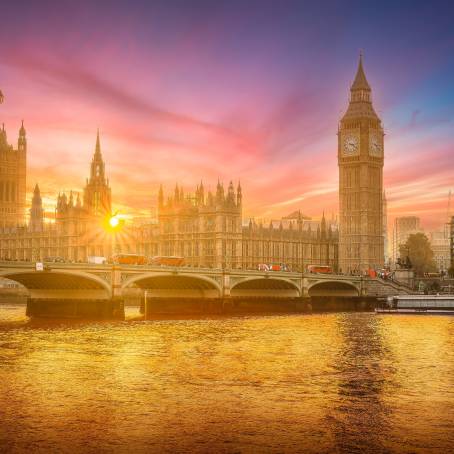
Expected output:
{"points": [[282, 146]]}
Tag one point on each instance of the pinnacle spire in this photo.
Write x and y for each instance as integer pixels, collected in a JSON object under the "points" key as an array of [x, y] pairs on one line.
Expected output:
{"points": [[98, 144], [360, 99], [97, 170], [161, 196], [360, 82]]}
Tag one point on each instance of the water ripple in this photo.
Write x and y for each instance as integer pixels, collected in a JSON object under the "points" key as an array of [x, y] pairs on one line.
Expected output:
{"points": [[353, 382]]}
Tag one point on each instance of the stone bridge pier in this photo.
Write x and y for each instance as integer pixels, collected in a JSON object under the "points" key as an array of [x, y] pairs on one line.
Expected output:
{"points": [[67, 293], [198, 291]]}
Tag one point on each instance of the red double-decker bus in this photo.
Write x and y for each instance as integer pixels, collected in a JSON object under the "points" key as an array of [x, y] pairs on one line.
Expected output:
{"points": [[319, 269], [129, 259], [167, 261]]}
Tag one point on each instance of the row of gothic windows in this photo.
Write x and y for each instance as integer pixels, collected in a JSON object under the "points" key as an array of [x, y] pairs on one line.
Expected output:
{"points": [[8, 191]]}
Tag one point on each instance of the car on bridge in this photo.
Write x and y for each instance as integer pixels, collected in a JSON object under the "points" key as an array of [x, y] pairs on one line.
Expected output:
{"points": [[273, 267], [96, 260], [54, 259]]}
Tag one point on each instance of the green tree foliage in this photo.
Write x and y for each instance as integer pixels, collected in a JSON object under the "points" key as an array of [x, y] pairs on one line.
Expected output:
{"points": [[419, 250]]}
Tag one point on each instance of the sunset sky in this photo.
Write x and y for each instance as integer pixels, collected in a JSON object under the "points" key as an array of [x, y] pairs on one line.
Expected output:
{"points": [[231, 90]]}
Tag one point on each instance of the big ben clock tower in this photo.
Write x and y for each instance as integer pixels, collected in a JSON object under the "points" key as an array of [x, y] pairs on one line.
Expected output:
{"points": [[360, 159]]}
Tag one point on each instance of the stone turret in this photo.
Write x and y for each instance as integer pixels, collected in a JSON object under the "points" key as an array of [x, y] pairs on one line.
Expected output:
{"points": [[22, 140], [36, 212], [13, 175], [160, 197], [97, 193], [220, 194]]}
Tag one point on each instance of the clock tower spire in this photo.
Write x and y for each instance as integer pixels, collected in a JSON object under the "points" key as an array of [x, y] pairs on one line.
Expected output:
{"points": [[360, 160]]}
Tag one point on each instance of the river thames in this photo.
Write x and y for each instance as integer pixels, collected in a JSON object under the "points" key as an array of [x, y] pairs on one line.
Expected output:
{"points": [[338, 382]]}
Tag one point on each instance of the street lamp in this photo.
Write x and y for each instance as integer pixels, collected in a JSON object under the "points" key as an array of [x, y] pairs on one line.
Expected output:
{"points": [[2, 98]]}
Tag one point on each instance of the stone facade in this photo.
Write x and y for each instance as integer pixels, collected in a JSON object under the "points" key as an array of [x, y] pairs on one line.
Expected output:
{"points": [[13, 164], [293, 243], [208, 232], [79, 228], [360, 159], [205, 229]]}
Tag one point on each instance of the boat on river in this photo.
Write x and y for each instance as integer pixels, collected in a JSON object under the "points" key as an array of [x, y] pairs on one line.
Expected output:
{"points": [[417, 304]]}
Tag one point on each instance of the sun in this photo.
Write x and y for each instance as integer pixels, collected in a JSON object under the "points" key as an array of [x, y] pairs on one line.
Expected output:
{"points": [[114, 221]]}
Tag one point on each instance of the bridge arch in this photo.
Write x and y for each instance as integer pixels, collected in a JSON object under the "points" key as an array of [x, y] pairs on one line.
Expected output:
{"points": [[60, 283], [265, 286], [333, 288], [176, 285]]}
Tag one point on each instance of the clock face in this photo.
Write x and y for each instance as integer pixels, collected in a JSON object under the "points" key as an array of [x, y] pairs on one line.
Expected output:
{"points": [[375, 148], [351, 144]]}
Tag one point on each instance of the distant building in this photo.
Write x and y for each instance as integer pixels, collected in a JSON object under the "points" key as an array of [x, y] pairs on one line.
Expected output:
{"points": [[440, 243], [451, 240], [403, 228], [385, 229]]}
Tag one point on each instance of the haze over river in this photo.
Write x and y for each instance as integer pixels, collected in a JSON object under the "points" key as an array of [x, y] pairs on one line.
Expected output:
{"points": [[344, 382]]}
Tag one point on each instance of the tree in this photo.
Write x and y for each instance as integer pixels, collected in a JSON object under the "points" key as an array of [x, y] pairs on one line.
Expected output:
{"points": [[451, 271], [419, 250]]}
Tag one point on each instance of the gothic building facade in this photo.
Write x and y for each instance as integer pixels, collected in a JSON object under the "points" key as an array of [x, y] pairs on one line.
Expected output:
{"points": [[360, 159], [292, 242], [207, 230], [13, 163], [78, 230], [203, 228]]}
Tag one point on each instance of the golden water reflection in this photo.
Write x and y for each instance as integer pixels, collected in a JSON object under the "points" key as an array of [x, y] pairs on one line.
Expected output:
{"points": [[353, 382]]}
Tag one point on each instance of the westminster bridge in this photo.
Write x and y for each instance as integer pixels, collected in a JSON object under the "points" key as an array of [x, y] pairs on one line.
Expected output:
{"points": [[88, 290]]}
